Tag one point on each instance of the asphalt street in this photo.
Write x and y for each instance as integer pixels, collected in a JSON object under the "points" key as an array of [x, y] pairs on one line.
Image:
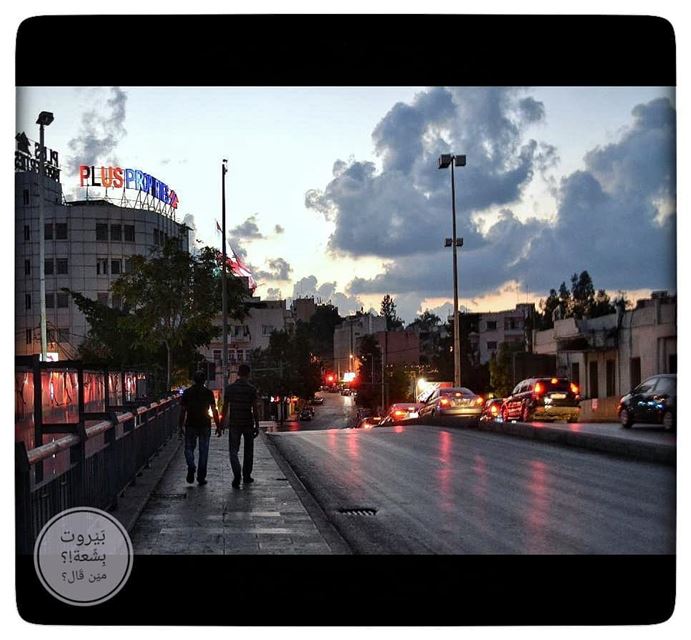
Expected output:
{"points": [[337, 412], [420, 489]]}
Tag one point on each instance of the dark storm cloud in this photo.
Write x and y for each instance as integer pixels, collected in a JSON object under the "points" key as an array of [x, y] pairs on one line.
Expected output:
{"points": [[273, 293], [408, 201], [100, 133], [616, 218], [279, 269], [248, 230]]}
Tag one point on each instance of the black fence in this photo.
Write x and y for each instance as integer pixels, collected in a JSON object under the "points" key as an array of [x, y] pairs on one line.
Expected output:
{"points": [[91, 459]]}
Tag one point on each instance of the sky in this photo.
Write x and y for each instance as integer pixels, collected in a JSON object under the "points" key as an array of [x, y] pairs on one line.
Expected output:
{"points": [[335, 192]]}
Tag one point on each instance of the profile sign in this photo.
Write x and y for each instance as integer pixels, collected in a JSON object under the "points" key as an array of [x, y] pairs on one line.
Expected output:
{"points": [[119, 178]]}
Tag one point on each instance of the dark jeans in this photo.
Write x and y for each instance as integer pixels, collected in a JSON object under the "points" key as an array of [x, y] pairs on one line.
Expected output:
{"points": [[247, 434], [204, 436]]}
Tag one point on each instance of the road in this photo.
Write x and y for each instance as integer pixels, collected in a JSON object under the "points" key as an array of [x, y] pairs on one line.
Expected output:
{"points": [[335, 413], [460, 491]]}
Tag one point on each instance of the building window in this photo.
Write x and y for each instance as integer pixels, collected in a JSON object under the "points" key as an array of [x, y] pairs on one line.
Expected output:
{"points": [[128, 265], [48, 266], [610, 375], [511, 324], [492, 345], [231, 355], [635, 372], [594, 382], [102, 267], [491, 325], [115, 267], [672, 365], [61, 266], [26, 197], [101, 232], [240, 355], [27, 267], [27, 232], [155, 236], [27, 301], [267, 329], [217, 357], [129, 233], [48, 232], [63, 300], [29, 336], [50, 301], [115, 233], [102, 298], [61, 231]]}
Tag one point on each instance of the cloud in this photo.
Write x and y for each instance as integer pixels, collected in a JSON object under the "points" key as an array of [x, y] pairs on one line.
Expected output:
{"points": [[279, 269], [408, 201], [615, 217], [308, 287], [100, 131], [278, 229], [248, 230]]}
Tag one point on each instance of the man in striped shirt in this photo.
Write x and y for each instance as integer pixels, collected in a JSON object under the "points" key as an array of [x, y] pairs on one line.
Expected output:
{"points": [[241, 416]]}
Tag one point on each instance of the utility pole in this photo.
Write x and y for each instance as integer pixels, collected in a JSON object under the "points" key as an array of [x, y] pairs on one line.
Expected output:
{"points": [[456, 319], [224, 294]]}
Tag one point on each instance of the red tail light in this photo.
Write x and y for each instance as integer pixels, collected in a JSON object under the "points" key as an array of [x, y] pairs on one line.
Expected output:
{"points": [[494, 409], [574, 388], [539, 388], [399, 413], [479, 400], [444, 402]]}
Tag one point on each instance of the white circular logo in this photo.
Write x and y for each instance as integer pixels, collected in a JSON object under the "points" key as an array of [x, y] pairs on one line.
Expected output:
{"points": [[83, 556]]}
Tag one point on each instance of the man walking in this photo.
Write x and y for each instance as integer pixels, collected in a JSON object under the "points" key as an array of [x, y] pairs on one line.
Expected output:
{"points": [[196, 424], [241, 415]]}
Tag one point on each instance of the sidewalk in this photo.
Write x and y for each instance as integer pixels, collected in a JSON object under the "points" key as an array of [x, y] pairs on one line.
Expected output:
{"points": [[266, 517]]}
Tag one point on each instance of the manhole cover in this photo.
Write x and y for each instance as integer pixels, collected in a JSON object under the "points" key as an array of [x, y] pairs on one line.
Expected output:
{"points": [[358, 511], [169, 496]]}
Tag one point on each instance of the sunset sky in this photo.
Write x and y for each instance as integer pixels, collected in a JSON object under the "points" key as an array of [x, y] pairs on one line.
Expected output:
{"points": [[335, 192]]}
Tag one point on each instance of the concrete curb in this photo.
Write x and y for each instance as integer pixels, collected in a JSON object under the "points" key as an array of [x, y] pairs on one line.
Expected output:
{"points": [[135, 497], [636, 449], [327, 529]]}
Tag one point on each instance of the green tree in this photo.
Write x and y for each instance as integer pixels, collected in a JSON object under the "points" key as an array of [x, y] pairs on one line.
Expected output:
{"points": [[172, 299], [582, 294], [388, 310], [501, 368], [399, 384], [321, 332]]}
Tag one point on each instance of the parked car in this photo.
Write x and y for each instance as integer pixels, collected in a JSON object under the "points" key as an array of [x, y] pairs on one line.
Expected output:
{"points": [[491, 411], [345, 392], [654, 400], [305, 414], [453, 401], [369, 422], [543, 399], [317, 400]]}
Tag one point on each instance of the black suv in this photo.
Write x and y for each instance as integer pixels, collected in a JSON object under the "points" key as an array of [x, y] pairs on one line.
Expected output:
{"points": [[654, 400], [543, 399]]}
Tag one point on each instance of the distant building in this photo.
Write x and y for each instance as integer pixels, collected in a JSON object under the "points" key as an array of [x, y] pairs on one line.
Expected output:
{"points": [[610, 355], [88, 245], [399, 347], [303, 309], [346, 335], [503, 326]]}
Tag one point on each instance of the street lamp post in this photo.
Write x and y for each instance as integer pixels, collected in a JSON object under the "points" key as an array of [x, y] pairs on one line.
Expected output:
{"points": [[446, 160], [224, 294], [44, 119]]}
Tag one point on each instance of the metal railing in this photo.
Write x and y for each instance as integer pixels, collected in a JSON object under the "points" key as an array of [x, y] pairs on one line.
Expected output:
{"points": [[92, 460]]}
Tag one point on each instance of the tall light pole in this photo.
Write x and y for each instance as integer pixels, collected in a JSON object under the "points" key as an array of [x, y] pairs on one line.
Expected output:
{"points": [[224, 294], [445, 160], [44, 119]]}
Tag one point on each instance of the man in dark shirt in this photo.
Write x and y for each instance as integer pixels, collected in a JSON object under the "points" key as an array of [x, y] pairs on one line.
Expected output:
{"points": [[241, 415], [196, 424]]}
